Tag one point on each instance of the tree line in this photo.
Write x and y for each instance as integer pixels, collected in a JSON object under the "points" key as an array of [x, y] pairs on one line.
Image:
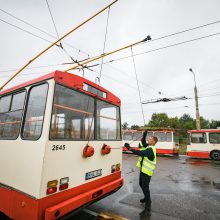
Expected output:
{"points": [[182, 124]]}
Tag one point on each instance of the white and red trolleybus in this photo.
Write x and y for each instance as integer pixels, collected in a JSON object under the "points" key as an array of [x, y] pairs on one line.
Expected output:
{"points": [[60, 146], [204, 143], [167, 140]]}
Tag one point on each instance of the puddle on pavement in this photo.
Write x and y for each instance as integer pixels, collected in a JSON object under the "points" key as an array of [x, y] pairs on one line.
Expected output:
{"points": [[199, 163], [206, 181]]}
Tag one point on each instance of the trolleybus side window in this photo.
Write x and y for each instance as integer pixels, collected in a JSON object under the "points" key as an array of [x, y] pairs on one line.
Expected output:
{"points": [[149, 134], [35, 109], [127, 136], [198, 138], [108, 121], [169, 137], [11, 109], [137, 136], [5, 103], [176, 137], [73, 115], [161, 136], [214, 138], [188, 138]]}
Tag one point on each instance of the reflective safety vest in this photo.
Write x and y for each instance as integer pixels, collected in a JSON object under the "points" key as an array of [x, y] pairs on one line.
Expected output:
{"points": [[148, 166]]}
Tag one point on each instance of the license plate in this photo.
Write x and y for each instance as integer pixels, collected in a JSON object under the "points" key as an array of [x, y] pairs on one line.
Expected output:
{"points": [[93, 174]]}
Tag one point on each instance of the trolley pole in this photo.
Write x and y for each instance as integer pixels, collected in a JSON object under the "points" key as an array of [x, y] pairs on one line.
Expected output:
{"points": [[198, 127]]}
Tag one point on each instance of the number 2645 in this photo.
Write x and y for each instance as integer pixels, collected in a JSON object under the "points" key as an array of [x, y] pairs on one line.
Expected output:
{"points": [[58, 147]]}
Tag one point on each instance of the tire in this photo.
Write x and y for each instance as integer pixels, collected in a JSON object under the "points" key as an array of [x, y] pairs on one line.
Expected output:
{"points": [[3, 216], [215, 155]]}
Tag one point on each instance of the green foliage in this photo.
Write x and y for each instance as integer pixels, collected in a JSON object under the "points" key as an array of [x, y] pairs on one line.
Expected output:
{"points": [[214, 124], [182, 124], [182, 149], [204, 123], [174, 123], [125, 126], [186, 123], [159, 120], [135, 127]]}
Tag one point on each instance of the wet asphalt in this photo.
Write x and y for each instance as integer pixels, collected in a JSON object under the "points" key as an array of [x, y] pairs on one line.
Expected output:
{"points": [[181, 188]]}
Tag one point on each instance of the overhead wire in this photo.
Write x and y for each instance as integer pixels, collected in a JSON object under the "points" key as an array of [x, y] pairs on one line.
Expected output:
{"points": [[187, 30], [165, 100], [143, 83], [109, 53], [138, 87], [60, 43], [37, 28], [173, 34], [29, 68], [25, 31], [35, 35], [210, 95], [103, 51], [210, 82], [164, 37], [169, 35], [150, 110], [106, 75], [53, 20], [100, 75], [72, 30], [164, 47]]}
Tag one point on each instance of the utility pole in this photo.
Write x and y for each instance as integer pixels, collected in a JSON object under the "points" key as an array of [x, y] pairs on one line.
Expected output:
{"points": [[198, 127]]}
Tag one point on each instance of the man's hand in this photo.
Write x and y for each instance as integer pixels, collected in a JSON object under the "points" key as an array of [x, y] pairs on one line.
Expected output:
{"points": [[127, 145], [144, 136], [143, 140]]}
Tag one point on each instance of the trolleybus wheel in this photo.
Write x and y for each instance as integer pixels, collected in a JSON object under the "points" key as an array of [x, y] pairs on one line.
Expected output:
{"points": [[3, 216], [215, 155]]}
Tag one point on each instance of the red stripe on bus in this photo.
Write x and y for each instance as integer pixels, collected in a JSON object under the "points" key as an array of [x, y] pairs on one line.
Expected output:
{"points": [[198, 154], [78, 201], [159, 151], [167, 151], [204, 130], [19, 206], [73, 109], [10, 122]]}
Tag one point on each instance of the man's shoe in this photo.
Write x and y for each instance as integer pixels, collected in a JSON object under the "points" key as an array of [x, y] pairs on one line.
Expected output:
{"points": [[145, 213], [142, 200]]}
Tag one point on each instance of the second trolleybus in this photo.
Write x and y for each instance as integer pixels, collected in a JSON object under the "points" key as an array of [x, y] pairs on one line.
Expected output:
{"points": [[168, 142], [204, 143]]}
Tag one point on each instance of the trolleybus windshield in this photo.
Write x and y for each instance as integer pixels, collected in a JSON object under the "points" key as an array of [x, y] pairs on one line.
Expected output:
{"points": [[73, 117]]}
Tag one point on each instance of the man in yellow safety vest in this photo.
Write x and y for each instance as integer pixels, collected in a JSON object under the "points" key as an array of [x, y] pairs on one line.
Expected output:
{"points": [[146, 163]]}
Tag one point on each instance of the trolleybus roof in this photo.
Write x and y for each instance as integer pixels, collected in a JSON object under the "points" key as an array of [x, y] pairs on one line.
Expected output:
{"points": [[70, 80], [204, 130]]}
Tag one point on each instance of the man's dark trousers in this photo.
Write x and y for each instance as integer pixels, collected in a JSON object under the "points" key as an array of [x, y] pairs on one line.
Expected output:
{"points": [[144, 181]]}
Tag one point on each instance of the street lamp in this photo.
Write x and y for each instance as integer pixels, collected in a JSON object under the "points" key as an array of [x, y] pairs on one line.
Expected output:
{"points": [[198, 127]]}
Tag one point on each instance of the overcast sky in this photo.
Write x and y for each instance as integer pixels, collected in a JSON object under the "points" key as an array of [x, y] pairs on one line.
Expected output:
{"points": [[161, 73]]}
